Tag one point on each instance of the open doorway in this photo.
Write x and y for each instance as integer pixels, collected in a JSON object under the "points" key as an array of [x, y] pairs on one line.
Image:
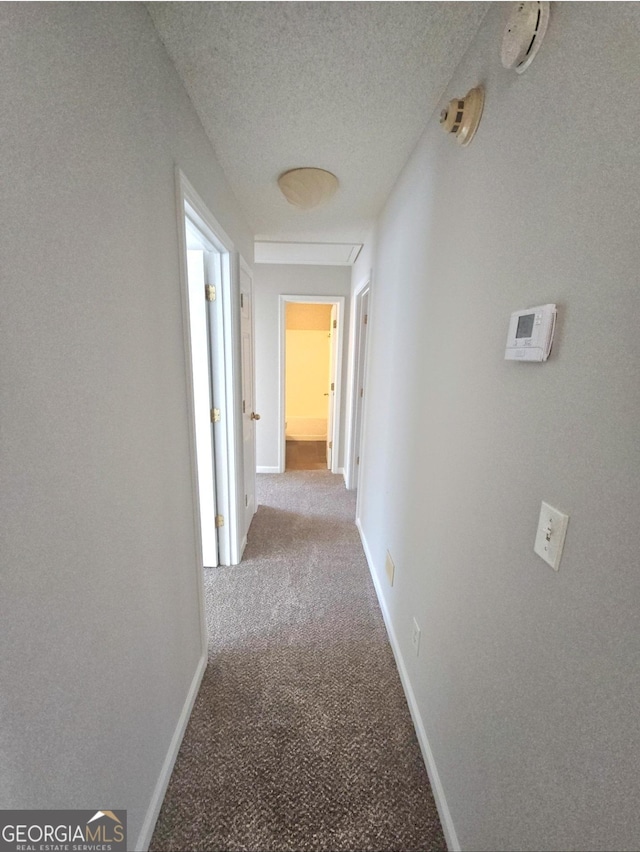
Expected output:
{"points": [[307, 385], [311, 358], [210, 267]]}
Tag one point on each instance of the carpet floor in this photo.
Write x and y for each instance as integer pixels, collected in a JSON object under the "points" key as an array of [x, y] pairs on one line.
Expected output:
{"points": [[300, 738]]}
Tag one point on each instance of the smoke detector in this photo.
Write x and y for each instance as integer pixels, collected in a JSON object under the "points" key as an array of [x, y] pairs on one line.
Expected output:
{"points": [[462, 115], [523, 34]]}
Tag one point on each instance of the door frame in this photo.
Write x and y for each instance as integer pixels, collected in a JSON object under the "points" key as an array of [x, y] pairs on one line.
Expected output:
{"points": [[339, 302], [228, 458], [244, 267], [357, 377]]}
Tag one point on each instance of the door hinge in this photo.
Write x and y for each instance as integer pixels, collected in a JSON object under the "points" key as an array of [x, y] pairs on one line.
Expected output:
{"points": [[333, 387], [244, 407], [358, 460], [210, 292], [335, 323], [246, 499], [215, 415], [242, 300], [361, 392], [366, 318], [219, 520], [330, 445]]}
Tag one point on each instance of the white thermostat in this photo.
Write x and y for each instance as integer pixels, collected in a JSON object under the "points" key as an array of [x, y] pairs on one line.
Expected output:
{"points": [[531, 334]]}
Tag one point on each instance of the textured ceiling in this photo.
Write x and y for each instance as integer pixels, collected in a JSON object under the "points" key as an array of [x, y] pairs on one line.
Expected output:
{"points": [[344, 86]]}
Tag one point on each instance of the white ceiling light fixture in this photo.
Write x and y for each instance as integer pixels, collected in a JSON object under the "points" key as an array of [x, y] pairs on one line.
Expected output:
{"points": [[308, 187], [462, 115], [523, 34]]}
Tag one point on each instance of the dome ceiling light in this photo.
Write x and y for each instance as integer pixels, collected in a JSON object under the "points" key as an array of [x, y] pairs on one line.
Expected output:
{"points": [[307, 188]]}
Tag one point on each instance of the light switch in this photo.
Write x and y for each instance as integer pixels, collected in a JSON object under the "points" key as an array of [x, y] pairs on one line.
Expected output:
{"points": [[552, 528]]}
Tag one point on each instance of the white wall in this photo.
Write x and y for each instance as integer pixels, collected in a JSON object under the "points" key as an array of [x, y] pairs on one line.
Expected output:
{"points": [[527, 682], [270, 282], [99, 607], [362, 268]]}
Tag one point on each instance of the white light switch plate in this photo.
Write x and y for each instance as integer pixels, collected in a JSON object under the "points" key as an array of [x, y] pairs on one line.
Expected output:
{"points": [[552, 528]]}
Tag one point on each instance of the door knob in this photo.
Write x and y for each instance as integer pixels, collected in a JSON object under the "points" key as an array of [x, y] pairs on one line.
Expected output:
{"points": [[255, 416]]}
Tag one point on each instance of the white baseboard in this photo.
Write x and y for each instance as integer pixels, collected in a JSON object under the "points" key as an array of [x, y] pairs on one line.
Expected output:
{"points": [[146, 833], [305, 437], [265, 469], [436, 785]]}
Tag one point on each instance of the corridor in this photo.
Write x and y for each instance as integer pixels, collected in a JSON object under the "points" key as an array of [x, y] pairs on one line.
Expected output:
{"points": [[300, 738]]}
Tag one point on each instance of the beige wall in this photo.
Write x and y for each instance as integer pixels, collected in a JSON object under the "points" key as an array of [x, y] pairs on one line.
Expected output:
{"points": [[307, 383], [307, 353], [302, 316]]}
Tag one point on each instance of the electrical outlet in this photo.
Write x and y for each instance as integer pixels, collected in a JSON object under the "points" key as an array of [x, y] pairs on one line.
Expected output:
{"points": [[390, 568], [415, 637]]}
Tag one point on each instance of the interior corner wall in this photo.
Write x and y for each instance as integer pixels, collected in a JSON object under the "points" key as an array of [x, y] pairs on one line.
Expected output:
{"points": [[99, 607], [527, 680], [270, 282], [362, 268]]}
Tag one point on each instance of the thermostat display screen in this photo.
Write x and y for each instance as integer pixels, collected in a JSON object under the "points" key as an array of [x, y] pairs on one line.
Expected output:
{"points": [[525, 325], [531, 333]]}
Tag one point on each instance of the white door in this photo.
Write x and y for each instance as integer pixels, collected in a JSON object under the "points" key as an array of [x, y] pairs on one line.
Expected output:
{"points": [[200, 358], [360, 380], [333, 335], [249, 416]]}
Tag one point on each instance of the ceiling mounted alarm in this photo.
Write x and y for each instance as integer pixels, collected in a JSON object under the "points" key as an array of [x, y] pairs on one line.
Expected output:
{"points": [[523, 34], [462, 115]]}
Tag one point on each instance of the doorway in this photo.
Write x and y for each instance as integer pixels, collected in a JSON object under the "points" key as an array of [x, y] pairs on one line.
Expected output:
{"points": [[307, 385], [310, 382], [212, 323]]}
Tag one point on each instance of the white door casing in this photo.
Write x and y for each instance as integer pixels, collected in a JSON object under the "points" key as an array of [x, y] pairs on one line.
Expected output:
{"points": [[333, 339], [221, 270], [357, 383], [249, 415]]}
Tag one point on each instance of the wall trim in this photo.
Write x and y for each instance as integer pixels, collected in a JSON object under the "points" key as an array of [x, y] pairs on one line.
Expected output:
{"points": [[436, 785], [146, 832], [261, 468]]}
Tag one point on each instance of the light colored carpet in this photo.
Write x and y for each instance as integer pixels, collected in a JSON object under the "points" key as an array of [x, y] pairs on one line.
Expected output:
{"points": [[300, 738]]}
